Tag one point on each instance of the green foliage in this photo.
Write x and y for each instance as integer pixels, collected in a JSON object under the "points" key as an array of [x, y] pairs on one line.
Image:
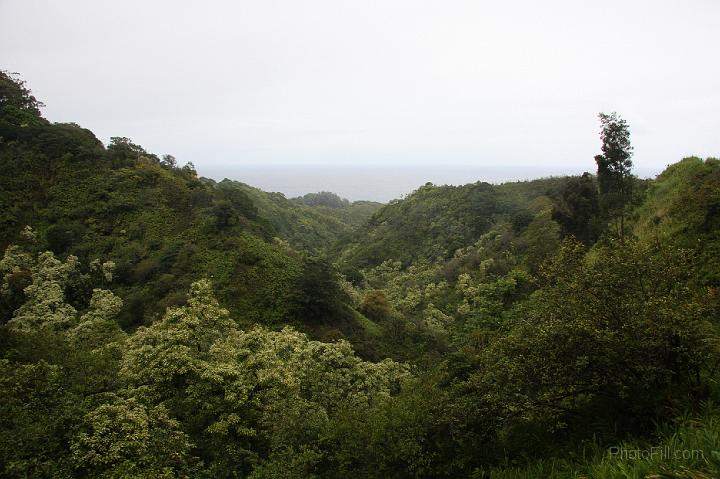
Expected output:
{"points": [[435, 221], [45, 305], [682, 208], [615, 180], [432, 222], [125, 439], [375, 305], [539, 240], [195, 391], [311, 223], [56, 358], [527, 355], [159, 224], [240, 393], [16, 99], [599, 348], [319, 297], [323, 198], [686, 448], [578, 209]]}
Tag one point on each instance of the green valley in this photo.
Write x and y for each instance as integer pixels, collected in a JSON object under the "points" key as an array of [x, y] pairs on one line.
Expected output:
{"points": [[155, 323]]}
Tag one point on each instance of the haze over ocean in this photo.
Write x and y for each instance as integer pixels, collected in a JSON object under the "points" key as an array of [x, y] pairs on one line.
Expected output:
{"points": [[443, 83], [376, 182]]}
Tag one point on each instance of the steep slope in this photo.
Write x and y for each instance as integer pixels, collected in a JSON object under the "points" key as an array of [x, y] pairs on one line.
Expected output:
{"points": [[160, 224], [682, 207]]}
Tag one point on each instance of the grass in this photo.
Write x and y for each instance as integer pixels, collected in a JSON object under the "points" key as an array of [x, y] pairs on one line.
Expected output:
{"points": [[688, 448]]}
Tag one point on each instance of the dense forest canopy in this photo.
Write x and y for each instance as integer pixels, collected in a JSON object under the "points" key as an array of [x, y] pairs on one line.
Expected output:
{"points": [[155, 323]]}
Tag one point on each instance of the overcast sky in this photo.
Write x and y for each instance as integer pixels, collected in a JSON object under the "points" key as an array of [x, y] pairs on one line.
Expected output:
{"points": [[226, 84]]}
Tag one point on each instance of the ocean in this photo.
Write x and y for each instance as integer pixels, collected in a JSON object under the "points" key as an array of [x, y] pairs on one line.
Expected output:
{"points": [[376, 182]]}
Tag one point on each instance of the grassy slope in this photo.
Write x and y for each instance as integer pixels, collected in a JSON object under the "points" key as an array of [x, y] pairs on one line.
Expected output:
{"points": [[683, 207]]}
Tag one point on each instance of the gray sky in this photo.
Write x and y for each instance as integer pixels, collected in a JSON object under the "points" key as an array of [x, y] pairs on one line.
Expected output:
{"points": [[227, 84]]}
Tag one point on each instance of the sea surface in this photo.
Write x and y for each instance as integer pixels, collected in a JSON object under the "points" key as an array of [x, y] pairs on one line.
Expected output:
{"points": [[377, 182]]}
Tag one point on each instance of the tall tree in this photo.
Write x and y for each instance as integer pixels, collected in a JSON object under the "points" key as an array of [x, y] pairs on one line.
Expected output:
{"points": [[614, 165]]}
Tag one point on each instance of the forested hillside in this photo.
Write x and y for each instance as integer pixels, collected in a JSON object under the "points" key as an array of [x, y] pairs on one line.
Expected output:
{"points": [[160, 224], [313, 222], [435, 221], [155, 323]]}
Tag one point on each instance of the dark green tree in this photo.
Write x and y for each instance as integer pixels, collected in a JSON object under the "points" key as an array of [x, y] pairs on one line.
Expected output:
{"points": [[225, 215], [19, 109], [169, 162], [613, 170], [318, 298], [14, 93], [578, 208]]}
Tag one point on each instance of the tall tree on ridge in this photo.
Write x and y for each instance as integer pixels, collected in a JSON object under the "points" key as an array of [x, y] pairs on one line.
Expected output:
{"points": [[613, 170]]}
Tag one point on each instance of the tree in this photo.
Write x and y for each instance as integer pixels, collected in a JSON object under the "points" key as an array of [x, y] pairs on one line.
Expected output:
{"points": [[375, 305], [614, 176], [14, 94], [124, 438], [225, 215], [318, 297], [323, 198], [169, 162], [577, 209], [611, 339]]}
